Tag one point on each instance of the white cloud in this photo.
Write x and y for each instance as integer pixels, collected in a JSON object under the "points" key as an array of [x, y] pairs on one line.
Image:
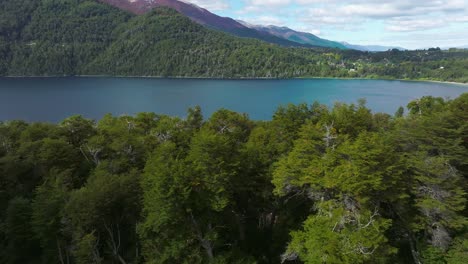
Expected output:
{"points": [[408, 25], [264, 20], [373, 9], [212, 5], [397, 8], [268, 2], [398, 15], [367, 19], [425, 40]]}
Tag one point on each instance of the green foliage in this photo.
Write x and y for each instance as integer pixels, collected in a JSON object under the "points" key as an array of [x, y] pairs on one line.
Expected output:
{"points": [[19, 234], [195, 118], [107, 207], [59, 37], [432, 255], [163, 208], [426, 105], [47, 217], [334, 235], [85, 251], [400, 112], [313, 185], [14, 16], [458, 253]]}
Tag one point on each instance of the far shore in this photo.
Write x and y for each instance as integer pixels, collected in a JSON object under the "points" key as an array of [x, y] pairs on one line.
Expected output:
{"points": [[236, 78], [384, 79]]}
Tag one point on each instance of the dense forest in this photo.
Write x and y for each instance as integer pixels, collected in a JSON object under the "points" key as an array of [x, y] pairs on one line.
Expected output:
{"points": [[84, 37], [316, 184]]}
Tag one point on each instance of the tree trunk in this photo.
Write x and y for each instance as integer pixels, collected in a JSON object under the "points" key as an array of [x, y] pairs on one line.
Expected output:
{"points": [[115, 245], [414, 251], [205, 243], [60, 251], [240, 226], [121, 259]]}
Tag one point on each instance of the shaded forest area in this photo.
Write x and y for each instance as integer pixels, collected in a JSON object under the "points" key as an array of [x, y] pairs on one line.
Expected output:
{"points": [[84, 37], [313, 185]]}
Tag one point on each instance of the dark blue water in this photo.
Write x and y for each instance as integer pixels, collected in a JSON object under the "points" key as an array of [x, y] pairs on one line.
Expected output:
{"points": [[53, 99]]}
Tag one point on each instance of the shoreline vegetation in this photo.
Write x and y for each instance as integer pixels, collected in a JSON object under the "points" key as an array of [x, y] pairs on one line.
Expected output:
{"points": [[240, 78], [313, 183]]}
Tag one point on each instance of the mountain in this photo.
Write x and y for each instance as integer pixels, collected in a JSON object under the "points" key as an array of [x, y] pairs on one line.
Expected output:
{"points": [[84, 37], [371, 48], [296, 36], [203, 17], [163, 42]]}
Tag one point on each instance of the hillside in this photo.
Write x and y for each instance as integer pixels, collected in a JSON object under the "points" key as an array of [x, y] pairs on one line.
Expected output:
{"points": [[299, 37], [66, 37], [69, 37], [189, 50], [55, 37], [203, 17]]}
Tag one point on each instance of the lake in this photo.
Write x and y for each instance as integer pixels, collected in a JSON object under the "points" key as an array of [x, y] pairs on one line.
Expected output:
{"points": [[53, 99]]}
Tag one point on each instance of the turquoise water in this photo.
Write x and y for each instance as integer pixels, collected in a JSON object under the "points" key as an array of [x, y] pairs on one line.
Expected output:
{"points": [[53, 99]]}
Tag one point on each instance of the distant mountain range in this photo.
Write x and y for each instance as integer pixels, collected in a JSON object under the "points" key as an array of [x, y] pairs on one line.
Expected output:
{"points": [[273, 34], [373, 48], [296, 36], [203, 17]]}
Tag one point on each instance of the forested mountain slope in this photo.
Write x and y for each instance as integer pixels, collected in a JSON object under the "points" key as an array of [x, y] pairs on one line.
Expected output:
{"points": [[313, 185], [164, 43], [65, 37], [205, 18], [83, 37], [299, 37], [55, 37]]}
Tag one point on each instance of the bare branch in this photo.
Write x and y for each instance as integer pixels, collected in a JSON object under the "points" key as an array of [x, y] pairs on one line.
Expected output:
{"points": [[94, 152], [289, 256], [205, 243], [371, 219], [329, 137]]}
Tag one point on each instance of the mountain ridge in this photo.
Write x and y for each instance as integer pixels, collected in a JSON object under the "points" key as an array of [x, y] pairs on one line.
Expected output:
{"points": [[202, 16], [283, 36], [296, 36], [370, 48]]}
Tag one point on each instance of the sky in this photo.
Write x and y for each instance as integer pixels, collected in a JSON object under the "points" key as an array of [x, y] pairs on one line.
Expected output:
{"points": [[410, 24]]}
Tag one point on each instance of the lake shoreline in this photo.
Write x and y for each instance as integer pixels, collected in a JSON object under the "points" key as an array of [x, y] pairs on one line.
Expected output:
{"points": [[55, 99], [377, 79], [232, 79]]}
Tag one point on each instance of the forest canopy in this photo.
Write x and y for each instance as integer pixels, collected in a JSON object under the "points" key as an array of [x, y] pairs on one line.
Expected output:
{"points": [[316, 184]]}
